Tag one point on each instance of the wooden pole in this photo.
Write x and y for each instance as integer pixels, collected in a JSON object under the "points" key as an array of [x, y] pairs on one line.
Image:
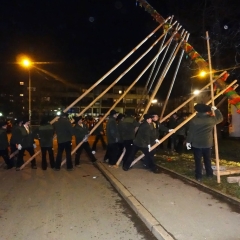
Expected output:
{"points": [[100, 80], [184, 103], [122, 96], [162, 76], [146, 88], [213, 104], [180, 125], [173, 80], [125, 72]]}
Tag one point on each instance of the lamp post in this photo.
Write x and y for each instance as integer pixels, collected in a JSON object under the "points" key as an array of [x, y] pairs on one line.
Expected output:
{"points": [[27, 63]]}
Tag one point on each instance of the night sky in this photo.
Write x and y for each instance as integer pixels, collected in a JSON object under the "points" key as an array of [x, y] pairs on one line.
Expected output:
{"points": [[85, 39]]}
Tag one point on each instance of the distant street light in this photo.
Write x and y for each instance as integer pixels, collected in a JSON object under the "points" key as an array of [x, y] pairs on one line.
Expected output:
{"points": [[1, 114], [27, 64], [154, 101], [196, 92]]}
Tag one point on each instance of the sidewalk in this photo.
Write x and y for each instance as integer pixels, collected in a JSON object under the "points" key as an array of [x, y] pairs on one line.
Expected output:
{"points": [[172, 208]]}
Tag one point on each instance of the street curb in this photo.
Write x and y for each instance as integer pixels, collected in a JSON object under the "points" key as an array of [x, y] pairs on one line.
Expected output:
{"points": [[202, 185], [152, 223]]}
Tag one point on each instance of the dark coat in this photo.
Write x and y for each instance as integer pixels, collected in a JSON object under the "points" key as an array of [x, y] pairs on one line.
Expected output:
{"points": [[127, 128], [80, 132], [24, 138], [3, 139], [143, 135], [15, 130], [112, 130], [200, 133], [63, 129], [44, 134]]}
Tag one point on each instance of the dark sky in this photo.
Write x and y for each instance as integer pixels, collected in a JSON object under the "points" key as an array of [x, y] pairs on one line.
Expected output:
{"points": [[86, 38]]}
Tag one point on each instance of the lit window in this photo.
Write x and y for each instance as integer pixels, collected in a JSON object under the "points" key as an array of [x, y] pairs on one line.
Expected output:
{"points": [[21, 83], [21, 95]]}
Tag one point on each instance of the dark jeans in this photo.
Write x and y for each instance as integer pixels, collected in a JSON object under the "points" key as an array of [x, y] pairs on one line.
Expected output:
{"points": [[206, 154], [88, 150], [44, 159], [5, 156], [128, 144], [67, 146], [148, 158], [97, 138], [112, 153], [21, 154]]}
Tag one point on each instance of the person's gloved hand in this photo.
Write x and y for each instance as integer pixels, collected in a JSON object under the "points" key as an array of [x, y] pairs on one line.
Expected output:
{"points": [[157, 141], [34, 145], [213, 108], [188, 145], [170, 130], [149, 146], [19, 147]]}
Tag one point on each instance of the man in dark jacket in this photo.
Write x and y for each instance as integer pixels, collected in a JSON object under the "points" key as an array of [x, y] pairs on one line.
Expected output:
{"points": [[81, 132], [44, 134], [127, 130], [13, 141], [200, 137], [64, 131], [112, 138], [25, 142], [142, 142], [99, 133], [4, 145]]}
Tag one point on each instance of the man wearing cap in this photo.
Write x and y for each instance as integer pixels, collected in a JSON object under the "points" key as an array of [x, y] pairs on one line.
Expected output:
{"points": [[200, 137], [44, 133], [64, 131], [81, 132], [4, 145], [112, 138], [127, 130], [142, 142], [25, 142]]}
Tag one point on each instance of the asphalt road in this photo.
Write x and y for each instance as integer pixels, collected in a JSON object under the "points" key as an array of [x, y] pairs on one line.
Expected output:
{"points": [[81, 204]]}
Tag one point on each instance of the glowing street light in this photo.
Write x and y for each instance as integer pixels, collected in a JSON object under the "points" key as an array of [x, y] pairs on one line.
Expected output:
{"points": [[196, 92], [202, 74], [154, 101], [25, 62]]}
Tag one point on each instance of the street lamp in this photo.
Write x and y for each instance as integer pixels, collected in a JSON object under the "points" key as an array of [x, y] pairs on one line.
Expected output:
{"points": [[27, 64]]}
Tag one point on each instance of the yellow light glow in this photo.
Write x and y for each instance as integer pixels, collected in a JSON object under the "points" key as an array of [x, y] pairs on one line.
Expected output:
{"points": [[202, 74], [26, 63], [196, 92], [154, 101]]}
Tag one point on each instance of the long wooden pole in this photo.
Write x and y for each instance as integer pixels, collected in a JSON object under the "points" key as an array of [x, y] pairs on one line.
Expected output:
{"points": [[146, 88], [95, 84], [184, 103], [213, 104], [180, 125], [162, 76], [122, 74], [123, 95], [173, 81]]}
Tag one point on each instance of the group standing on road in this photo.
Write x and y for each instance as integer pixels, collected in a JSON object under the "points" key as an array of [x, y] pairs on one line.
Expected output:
{"points": [[125, 137]]}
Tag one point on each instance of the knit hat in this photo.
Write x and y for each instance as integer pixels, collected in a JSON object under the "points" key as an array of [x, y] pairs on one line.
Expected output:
{"points": [[25, 119], [147, 116], [112, 112], [202, 108]]}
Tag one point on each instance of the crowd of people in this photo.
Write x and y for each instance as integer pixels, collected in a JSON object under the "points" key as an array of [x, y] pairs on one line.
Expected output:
{"points": [[125, 137]]}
